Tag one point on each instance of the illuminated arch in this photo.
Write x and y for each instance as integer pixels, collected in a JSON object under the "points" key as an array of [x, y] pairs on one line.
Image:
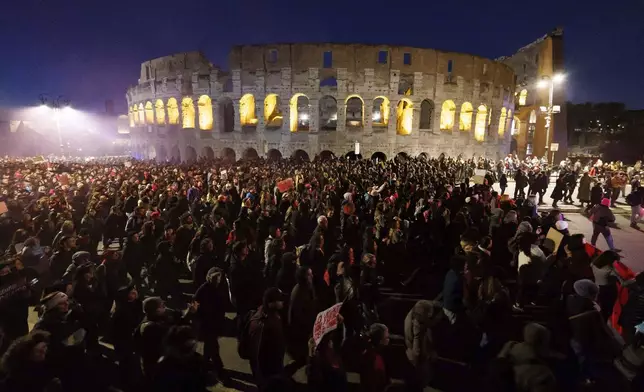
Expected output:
{"points": [[159, 111], [173, 111], [380, 112], [448, 114], [404, 117], [516, 126], [354, 111], [426, 114], [480, 124], [272, 113], [205, 113], [149, 113], [247, 115], [502, 119], [141, 114], [130, 116], [187, 113], [523, 97], [533, 117], [328, 108], [300, 113], [465, 118]]}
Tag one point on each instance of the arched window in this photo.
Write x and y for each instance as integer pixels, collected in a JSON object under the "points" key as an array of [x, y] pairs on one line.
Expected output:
{"points": [[135, 114], [354, 111], [380, 112], [300, 113], [465, 118], [205, 113], [141, 114], [523, 97], [173, 112], [188, 113], [149, 113], [130, 116], [448, 112], [502, 119], [516, 126], [247, 115], [272, 113], [479, 127], [328, 113], [426, 114], [404, 117], [533, 117], [159, 111]]}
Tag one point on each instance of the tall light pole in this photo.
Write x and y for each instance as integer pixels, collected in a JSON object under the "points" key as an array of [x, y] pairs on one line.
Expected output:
{"points": [[56, 105], [550, 83]]}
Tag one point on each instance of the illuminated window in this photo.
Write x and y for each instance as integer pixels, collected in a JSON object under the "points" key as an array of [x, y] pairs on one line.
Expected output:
{"points": [[141, 114], [130, 116], [383, 57], [159, 112], [188, 113], [149, 113], [173, 111], [247, 115], [327, 59], [516, 126], [448, 112], [523, 97], [404, 117], [502, 119], [407, 58], [205, 113], [380, 112], [426, 114], [299, 113], [479, 127], [533, 117], [272, 114], [465, 118], [354, 112]]}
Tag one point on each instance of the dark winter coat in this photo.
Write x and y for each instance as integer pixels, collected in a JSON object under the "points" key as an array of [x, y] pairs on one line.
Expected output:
{"points": [[302, 312], [584, 189], [211, 314]]}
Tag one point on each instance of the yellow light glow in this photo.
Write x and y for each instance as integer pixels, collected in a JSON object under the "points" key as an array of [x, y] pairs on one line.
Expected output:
{"points": [[404, 117], [502, 120], [188, 112], [135, 114], [523, 97], [272, 114], [130, 116], [382, 105], [159, 111], [296, 106], [479, 127], [465, 118], [353, 103], [448, 113], [247, 115], [141, 114], [173, 111], [205, 113], [149, 113], [516, 126]]}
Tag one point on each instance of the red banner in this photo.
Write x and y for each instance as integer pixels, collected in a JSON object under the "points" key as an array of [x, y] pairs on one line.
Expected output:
{"points": [[285, 185], [326, 322]]}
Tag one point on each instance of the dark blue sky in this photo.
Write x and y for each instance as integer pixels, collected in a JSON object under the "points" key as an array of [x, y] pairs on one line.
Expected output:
{"points": [[91, 50]]}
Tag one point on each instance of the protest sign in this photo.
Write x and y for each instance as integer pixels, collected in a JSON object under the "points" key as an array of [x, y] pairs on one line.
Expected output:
{"points": [[325, 322], [556, 237], [285, 185]]}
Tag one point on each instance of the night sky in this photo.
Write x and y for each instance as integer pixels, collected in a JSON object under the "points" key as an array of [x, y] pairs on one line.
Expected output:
{"points": [[91, 50]]}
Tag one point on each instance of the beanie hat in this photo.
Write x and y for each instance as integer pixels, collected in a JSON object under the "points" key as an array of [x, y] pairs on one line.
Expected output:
{"points": [[606, 202], [586, 288], [150, 305], [53, 300]]}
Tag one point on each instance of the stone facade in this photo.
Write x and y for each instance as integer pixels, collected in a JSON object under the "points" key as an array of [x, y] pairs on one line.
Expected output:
{"points": [[308, 79]]}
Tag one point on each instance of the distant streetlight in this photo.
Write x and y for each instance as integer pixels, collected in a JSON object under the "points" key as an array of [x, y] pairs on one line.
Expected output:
{"points": [[55, 105], [550, 82]]}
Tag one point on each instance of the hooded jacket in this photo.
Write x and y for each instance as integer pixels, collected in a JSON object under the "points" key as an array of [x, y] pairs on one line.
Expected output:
{"points": [[418, 331]]}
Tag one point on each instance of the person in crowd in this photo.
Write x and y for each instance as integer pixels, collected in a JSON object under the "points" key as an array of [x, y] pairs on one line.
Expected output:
{"points": [[303, 309], [635, 200], [246, 280], [286, 280], [326, 371], [62, 258], [126, 316], [204, 262], [268, 341], [421, 352], [584, 189], [373, 371], [602, 217], [633, 311], [25, 368], [453, 289], [606, 279]]}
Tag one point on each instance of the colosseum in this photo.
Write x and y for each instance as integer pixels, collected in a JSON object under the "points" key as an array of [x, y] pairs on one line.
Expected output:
{"points": [[308, 100]]}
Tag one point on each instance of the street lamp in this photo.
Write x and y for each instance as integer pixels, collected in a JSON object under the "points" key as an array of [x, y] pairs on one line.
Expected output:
{"points": [[549, 83], [56, 105]]}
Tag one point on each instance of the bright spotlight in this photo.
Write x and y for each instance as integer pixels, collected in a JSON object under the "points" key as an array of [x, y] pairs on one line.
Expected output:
{"points": [[558, 78], [375, 117], [304, 117], [542, 84]]}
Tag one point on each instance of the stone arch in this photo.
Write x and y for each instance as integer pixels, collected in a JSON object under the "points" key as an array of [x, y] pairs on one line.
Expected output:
{"points": [[502, 120], [135, 116], [272, 112], [326, 155], [149, 113], [247, 113], [380, 156], [354, 111], [187, 113], [523, 97], [480, 123], [423, 155], [208, 153], [159, 112], [465, 117], [173, 111], [162, 153], [151, 153], [380, 112], [175, 153], [402, 156], [274, 154], [448, 113], [404, 117], [426, 114], [300, 155], [328, 113], [351, 155], [205, 113], [228, 154], [191, 154], [250, 154], [300, 115], [226, 114], [141, 114]]}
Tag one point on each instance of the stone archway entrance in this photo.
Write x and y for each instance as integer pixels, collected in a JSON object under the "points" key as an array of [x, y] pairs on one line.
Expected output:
{"points": [[208, 153], [228, 154], [353, 156], [300, 155], [251, 154], [191, 154], [326, 155], [274, 155], [380, 156]]}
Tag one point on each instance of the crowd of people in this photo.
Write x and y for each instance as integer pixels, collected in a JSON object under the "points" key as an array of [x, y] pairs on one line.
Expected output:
{"points": [[148, 259]]}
